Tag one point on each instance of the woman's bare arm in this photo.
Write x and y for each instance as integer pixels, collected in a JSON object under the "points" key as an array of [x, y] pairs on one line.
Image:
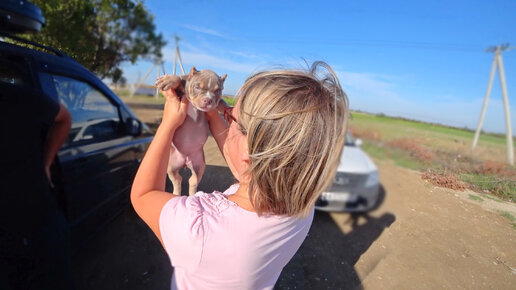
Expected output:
{"points": [[148, 194], [56, 137]]}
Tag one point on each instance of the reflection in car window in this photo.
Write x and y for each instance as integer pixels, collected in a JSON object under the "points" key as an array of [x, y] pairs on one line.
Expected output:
{"points": [[14, 70], [94, 117]]}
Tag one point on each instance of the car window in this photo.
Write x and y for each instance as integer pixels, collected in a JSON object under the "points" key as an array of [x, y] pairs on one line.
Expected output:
{"points": [[349, 140], [14, 70], [94, 117]]}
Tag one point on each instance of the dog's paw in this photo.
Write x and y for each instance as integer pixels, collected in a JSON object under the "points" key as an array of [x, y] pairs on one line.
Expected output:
{"points": [[166, 82]]}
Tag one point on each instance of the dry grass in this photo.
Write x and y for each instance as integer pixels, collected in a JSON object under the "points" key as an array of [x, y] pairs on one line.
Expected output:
{"points": [[443, 166], [444, 179], [415, 150]]}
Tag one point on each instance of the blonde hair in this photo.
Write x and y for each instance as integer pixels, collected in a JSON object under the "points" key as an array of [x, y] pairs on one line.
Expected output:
{"points": [[295, 123]]}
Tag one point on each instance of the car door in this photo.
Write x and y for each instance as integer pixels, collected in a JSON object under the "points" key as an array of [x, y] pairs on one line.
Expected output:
{"points": [[98, 160]]}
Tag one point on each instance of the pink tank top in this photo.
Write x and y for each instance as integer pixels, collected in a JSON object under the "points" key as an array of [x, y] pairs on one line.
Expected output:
{"points": [[215, 244]]}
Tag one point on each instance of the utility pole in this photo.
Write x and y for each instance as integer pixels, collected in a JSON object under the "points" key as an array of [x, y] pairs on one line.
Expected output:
{"points": [[161, 67], [497, 62], [177, 55], [159, 64], [159, 74]]}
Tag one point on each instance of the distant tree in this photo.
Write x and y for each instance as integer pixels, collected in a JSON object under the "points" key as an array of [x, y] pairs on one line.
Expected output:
{"points": [[117, 78], [100, 34]]}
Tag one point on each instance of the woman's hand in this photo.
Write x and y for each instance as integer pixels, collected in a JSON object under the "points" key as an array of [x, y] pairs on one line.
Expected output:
{"points": [[174, 113], [55, 139]]}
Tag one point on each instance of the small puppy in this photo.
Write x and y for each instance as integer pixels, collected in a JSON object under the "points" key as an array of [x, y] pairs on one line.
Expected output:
{"points": [[204, 91]]}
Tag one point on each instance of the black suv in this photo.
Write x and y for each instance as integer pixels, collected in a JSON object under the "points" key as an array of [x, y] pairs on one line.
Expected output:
{"points": [[94, 169]]}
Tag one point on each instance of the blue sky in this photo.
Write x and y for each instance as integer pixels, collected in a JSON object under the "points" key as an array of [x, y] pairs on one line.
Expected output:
{"points": [[423, 60]]}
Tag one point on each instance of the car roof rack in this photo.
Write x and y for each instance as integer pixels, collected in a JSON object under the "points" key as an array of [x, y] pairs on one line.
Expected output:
{"points": [[20, 16], [29, 42]]}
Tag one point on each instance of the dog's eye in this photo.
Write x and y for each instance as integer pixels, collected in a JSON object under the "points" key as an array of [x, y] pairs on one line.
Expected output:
{"points": [[197, 87], [218, 92]]}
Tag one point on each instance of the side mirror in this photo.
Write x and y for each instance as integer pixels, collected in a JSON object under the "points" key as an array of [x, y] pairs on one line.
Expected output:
{"points": [[133, 126], [358, 142]]}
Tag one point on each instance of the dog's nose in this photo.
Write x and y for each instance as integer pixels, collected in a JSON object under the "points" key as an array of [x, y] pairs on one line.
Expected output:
{"points": [[207, 101]]}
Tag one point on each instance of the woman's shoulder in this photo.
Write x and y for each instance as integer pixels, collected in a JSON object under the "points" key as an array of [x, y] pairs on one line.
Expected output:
{"points": [[214, 202], [190, 211]]}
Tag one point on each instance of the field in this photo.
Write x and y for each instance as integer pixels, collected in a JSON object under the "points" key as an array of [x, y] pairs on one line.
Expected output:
{"points": [[442, 154]]}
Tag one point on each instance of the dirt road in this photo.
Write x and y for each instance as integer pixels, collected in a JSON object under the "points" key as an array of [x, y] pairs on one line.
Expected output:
{"points": [[421, 237]]}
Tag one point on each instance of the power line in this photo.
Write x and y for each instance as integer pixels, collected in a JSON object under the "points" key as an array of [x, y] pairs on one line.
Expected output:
{"points": [[362, 42]]}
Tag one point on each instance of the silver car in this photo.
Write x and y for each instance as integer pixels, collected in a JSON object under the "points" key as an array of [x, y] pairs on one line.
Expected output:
{"points": [[356, 187]]}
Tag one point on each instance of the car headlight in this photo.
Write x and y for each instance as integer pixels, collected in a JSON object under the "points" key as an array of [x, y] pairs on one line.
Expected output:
{"points": [[372, 179]]}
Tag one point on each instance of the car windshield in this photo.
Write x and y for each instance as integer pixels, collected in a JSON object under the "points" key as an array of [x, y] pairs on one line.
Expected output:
{"points": [[349, 140]]}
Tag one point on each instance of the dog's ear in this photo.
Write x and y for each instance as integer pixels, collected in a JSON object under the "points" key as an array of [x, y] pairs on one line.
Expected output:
{"points": [[193, 71], [223, 78]]}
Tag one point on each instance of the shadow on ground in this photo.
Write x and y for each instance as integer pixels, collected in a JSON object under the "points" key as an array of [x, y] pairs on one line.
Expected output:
{"points": [[125, 254], [214, 178], [327, 257]]}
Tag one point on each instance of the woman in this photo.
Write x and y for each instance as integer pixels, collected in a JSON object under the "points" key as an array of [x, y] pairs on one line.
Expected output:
{"points": [[282, 142]]}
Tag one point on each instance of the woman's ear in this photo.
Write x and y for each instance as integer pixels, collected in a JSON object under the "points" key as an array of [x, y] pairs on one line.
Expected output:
{"points": [[246, 163], [245, 155]]}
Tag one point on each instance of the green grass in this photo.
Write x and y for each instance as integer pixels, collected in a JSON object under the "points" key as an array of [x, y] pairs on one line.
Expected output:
{"points": [[402, 159], [394, 128], [446, 144], [375, 151], [398, 156], [475, 198], [491, 197], [510, 217], [503, 188], [230, 101]]}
